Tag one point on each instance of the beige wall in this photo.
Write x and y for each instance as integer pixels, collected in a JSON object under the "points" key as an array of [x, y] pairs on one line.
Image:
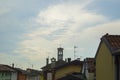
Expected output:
{"points": [[68, 69], [104, 64]]}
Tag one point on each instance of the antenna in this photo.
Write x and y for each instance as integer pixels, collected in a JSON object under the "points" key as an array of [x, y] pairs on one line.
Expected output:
{"points": [[75, 51]]}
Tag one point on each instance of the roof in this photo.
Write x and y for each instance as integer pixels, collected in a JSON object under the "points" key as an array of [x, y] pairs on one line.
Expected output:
{"points": [[33, 72], [6, 68], [89, 59], [89, 63], [57, 63], [61, 63], [58, 66], [112, 42], [74, 62], [20, 70]]}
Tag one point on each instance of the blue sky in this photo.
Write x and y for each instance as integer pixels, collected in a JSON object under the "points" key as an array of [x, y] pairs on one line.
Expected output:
{"points": [[32, 30]]}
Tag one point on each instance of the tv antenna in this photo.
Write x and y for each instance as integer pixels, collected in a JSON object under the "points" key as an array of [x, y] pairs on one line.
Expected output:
{"points": [[75, 51]]}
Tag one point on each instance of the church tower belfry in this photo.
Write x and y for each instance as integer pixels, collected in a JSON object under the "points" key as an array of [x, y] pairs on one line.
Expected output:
{"points": [[60, 53]]}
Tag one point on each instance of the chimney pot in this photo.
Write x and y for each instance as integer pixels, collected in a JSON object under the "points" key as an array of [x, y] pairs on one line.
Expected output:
{"points": [[13, 65], [47, 61], [69, 59]]}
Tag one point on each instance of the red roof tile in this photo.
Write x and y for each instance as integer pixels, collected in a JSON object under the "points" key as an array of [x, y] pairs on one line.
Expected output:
{"points": [[114, 40], [113, 43]]}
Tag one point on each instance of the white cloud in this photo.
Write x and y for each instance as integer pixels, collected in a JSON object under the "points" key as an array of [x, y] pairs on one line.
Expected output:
{"points": [[58, 24], [111, 27], [35, 48], [65, 19], [67, 24], [89, 38], [62, 14]]}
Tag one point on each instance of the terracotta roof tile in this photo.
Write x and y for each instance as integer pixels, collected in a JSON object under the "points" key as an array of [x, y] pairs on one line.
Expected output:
{"points": [[113, 40]]}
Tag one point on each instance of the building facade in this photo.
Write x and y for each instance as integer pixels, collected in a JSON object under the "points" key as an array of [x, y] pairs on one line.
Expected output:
{"points": [[21, 74], [7, 73], [108, 58], [89, 68], [33, 74], [74, 66], [60, 68]]}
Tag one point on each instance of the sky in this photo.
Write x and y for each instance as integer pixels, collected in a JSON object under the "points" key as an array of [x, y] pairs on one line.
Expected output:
{"points": [[32, 30]]}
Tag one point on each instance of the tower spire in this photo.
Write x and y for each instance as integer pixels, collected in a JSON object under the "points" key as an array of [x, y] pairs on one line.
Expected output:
{"points": [[60, 53]]}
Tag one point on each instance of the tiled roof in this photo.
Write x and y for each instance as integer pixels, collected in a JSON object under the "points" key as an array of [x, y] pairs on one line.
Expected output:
{"points": [[33, 72], [61, 63], [90, 59], [21, 70], [6, 68], [75, 62], [57, 63], [112, 41]]}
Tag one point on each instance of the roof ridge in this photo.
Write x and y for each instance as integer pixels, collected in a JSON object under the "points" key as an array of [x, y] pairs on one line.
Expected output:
{"points": [[112, 41]]}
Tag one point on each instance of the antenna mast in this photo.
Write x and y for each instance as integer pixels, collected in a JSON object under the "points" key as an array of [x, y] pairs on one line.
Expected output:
{"points": [[75, 51]]}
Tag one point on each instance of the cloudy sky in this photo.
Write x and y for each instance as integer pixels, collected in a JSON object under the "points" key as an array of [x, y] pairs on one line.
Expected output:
{"points": [[31, 30]]}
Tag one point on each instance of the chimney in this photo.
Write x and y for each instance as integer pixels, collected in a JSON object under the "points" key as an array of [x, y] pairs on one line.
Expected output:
{"points": [[12, 65], [107, 34], [69, 59], [47, 61]]}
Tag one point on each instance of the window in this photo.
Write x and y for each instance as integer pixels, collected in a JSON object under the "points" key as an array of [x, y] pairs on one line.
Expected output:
{"points": [[2, 74], [7, 74]]}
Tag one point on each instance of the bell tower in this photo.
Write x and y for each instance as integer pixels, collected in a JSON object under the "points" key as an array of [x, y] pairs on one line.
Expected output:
{"points": [[60, 53]]}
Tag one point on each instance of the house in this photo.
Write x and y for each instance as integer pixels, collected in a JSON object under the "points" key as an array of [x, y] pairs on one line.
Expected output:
{"points": [[89, 68], [74, 66], [7, 73], [107, 58], [60, 68], [33, 74], [49, 71], [21, 74]]}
